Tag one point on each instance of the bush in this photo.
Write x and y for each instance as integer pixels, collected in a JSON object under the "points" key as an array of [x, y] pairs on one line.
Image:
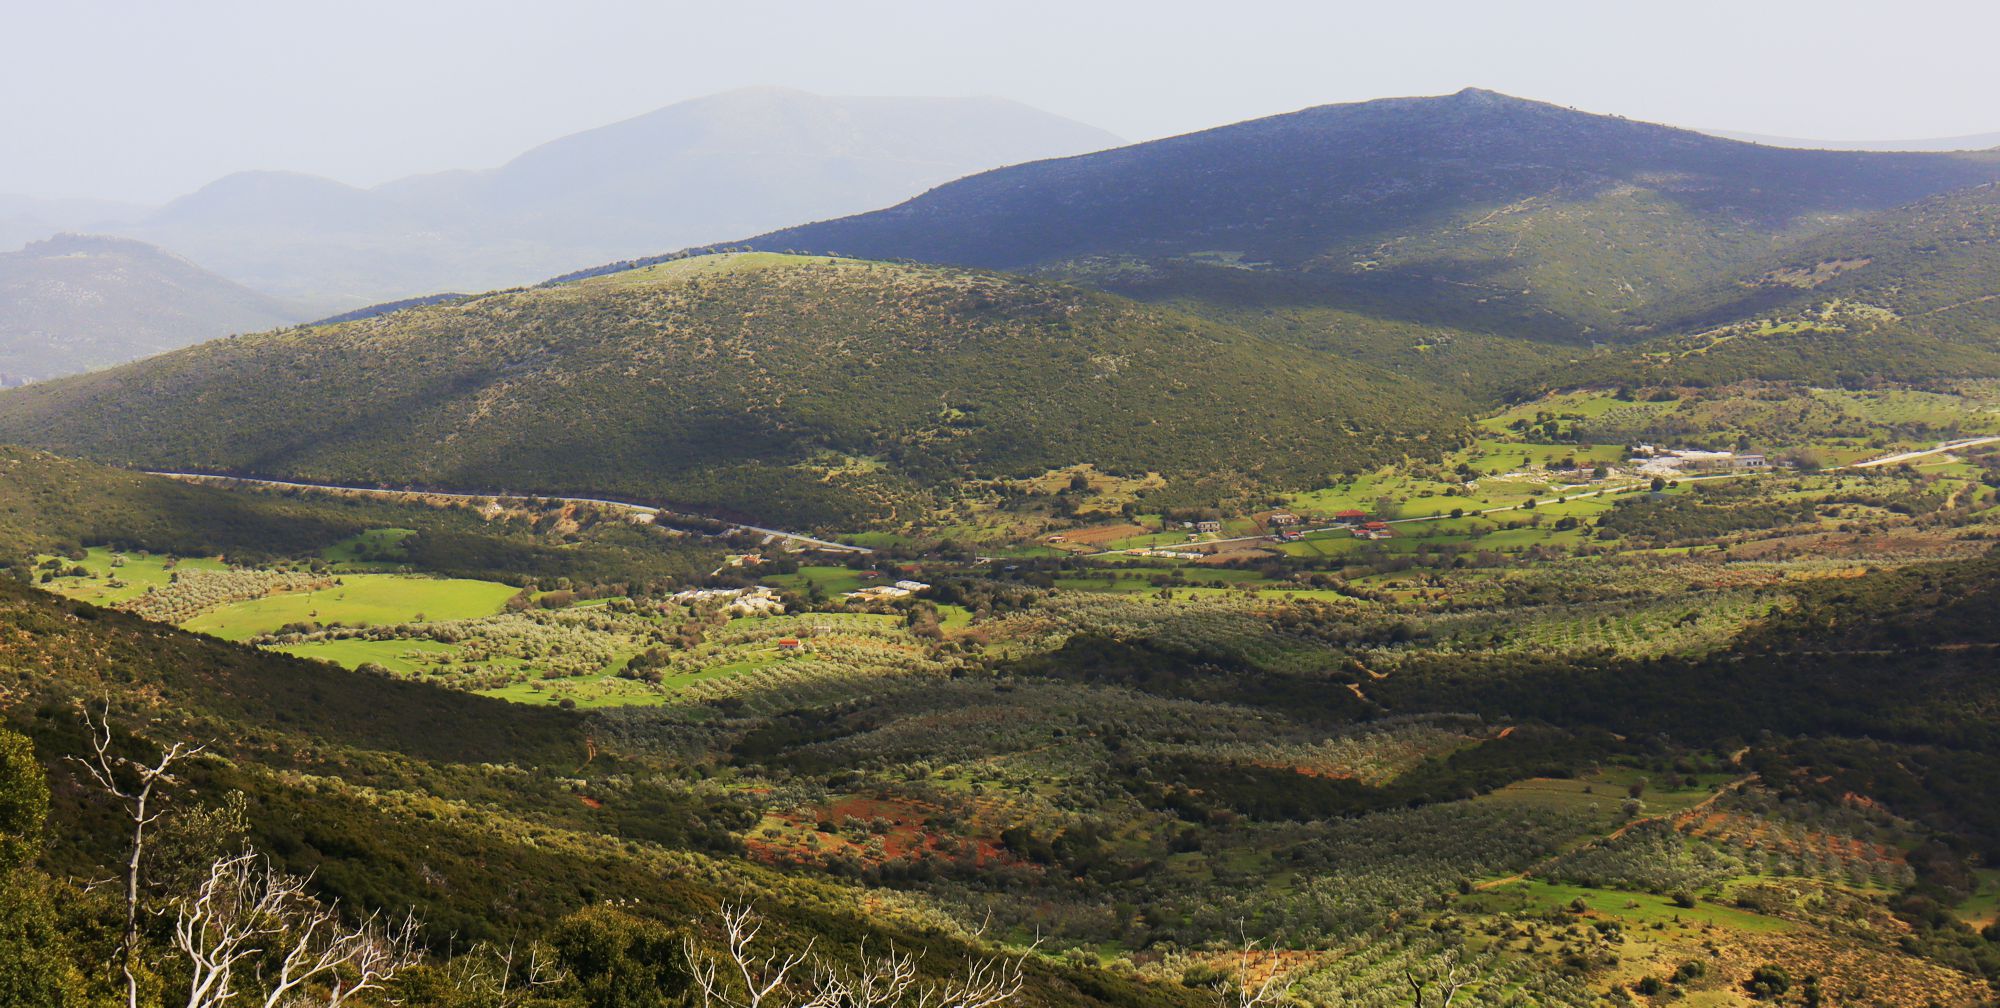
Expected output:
{"points": [[1768, 982]]}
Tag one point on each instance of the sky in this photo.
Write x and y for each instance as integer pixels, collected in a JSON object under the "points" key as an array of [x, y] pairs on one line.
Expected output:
{"points": [[147, 99]]}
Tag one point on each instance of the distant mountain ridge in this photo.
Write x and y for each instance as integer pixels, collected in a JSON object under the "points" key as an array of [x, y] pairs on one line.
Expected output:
{"points": [[1475, 209], [699, 171], [75, 302]]}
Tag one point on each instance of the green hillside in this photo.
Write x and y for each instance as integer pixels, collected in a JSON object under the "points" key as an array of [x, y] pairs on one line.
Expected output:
{"points": [[1911, 294], [808, 391]]}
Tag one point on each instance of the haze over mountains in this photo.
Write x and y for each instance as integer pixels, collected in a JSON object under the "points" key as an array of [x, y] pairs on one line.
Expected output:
{"points": [[699, 171], [306, 247], [73, 302]]}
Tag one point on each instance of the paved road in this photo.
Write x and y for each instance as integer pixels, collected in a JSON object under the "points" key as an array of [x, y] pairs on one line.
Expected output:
{"points": [[1901, 457], [825, 544], [627, 505]]}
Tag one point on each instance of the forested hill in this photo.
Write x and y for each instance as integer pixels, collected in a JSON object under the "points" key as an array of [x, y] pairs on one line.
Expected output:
{"points": [[809, 391], [1474, 209]]}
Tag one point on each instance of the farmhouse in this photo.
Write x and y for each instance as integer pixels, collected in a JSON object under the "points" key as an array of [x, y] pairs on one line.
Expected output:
{"points": [[1374, 530], [1281, 518], [913, 586], [1722, 462], [1208, 526], [789, 644], [1349, 516]]}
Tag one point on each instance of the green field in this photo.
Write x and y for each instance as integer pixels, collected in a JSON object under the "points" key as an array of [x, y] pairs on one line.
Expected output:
{"points": [[1983, 909], [360, 600], [831, 580], [132, 573], [1637, 908], [356, 653]]}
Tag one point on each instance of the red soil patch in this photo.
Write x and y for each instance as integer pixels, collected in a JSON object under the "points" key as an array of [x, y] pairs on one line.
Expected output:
{"points": [[900, 824], [1098, 535], [1752, 833]]}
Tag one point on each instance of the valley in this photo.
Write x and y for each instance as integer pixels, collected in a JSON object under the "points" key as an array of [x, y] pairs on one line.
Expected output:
{"points": [[1138, 764], [1419, 552]]}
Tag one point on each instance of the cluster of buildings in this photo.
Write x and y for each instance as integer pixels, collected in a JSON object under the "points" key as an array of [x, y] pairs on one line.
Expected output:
{"points": [[887, 592], [753, 601], [1669, 461], [1284, 525]]}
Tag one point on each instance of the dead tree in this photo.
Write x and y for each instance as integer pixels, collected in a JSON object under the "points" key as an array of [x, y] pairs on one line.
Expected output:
{"points": [[503, 977], [249, 914], [1242, 993], [138, 787], [1436, 985], [745, 978], [752, 978]]}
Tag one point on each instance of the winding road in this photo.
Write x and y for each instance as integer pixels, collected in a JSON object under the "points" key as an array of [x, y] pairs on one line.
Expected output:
{"points": [[840, 547], [824, 544]]}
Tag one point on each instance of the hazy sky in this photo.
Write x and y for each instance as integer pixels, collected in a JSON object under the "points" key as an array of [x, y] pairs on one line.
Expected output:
{"points": [[145, 99]]}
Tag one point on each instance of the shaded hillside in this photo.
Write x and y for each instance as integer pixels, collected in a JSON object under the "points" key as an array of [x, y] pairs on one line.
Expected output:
{"points": [[1911, 294], [1476, 210], [77, 302], [821, 392], [704, 170], [54, 505], [1934, 258]]}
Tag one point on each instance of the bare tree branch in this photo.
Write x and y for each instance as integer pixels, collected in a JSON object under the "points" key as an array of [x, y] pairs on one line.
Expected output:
{"points": [[136, 786], [250, 912], [1276, 984], [1444, 979], [745, 978]]}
